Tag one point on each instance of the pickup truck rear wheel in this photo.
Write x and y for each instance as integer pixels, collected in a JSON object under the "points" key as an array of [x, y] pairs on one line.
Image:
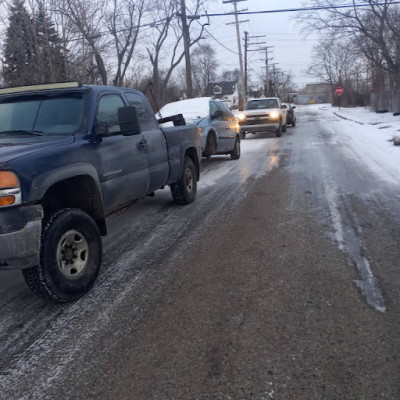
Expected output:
{"points": [[70, 257], [184, 191]]}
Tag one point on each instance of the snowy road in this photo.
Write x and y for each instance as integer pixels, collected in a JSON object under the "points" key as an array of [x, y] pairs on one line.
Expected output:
{"points": [[300, 236]]}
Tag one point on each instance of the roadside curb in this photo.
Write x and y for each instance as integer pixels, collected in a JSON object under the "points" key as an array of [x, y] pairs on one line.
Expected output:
{"points": [[348, 119]]}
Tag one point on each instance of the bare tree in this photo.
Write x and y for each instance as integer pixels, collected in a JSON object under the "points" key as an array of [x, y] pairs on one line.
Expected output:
{"points": [[337, 63], [374, 30], [87, 18], [166, 48], [231, 75], [204, 66], [286, 85], [123, 23], [108, 35]]}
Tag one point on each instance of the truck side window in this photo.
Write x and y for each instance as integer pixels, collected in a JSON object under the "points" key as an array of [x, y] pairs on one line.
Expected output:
{"points": [[146, 114], [107, 113]]}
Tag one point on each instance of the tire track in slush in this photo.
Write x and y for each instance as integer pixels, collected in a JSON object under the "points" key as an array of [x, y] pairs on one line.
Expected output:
{"points": [[348, 237], [348, 233]]}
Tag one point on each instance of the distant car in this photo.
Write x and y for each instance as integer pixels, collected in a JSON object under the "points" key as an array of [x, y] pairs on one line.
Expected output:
{"points": [[220, 133], [290, 114], [263, 114]]}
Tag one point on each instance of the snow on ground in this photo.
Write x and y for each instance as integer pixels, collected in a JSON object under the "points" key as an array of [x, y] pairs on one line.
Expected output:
{"points": [[370, 136], [387, 123]]}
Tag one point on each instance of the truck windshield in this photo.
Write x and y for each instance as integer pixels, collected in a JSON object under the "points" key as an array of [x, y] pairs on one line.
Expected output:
{"points": [[42, 115], [259, 104]]}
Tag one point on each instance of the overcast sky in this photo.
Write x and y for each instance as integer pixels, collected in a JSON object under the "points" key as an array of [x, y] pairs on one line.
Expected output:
{"points": [[291, 50]]}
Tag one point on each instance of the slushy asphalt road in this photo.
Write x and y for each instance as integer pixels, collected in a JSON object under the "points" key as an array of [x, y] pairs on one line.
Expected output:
{"points": [[280, 282]]}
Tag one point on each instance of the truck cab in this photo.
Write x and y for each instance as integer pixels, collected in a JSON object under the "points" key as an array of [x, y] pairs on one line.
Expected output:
{"points": [[70, 155]]}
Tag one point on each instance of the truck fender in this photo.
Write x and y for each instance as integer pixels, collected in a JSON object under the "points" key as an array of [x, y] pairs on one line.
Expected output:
{"points": [[191, 153], [42, 182]]}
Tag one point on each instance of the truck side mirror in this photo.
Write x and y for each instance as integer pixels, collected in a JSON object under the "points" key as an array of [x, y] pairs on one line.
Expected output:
{"points": [[128, 120]]}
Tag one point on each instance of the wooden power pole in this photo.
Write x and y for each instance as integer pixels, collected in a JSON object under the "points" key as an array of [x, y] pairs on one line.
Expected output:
{"points": [[243, 83], [186, 42]]}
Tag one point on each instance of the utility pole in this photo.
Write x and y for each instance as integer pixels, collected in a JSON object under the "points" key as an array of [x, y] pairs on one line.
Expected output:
{"points": [[267, 70], [243, 84], [267, 79], [274, 76], [186, 42], [267, 59], [246, 39], [246, 50]]}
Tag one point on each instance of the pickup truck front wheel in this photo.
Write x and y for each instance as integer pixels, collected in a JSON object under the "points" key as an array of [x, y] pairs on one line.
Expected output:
{"points": [[70, 257], [184, 191]]}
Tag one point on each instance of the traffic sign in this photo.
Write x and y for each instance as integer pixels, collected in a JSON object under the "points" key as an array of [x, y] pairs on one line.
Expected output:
{"points": [[339, 91]]}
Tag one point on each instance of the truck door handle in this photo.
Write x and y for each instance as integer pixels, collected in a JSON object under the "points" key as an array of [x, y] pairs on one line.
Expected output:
{"points": [[141, 145]]}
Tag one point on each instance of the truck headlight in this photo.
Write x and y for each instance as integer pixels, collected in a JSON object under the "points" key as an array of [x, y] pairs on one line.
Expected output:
{"points": [[242, 117], [10, 190], [274, 115]]}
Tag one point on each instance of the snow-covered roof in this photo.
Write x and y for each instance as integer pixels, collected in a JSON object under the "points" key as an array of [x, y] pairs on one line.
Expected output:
{"points": [[191, 109]]}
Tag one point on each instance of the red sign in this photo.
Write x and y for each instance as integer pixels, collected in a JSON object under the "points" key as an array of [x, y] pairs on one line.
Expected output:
{"points": [[339, 91]]}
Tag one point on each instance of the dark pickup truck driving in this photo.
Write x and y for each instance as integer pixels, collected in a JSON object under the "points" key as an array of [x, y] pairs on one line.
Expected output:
{"points": [[70, 155]]}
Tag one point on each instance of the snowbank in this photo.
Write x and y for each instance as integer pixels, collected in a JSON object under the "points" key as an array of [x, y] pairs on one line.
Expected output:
{"points": [[369, 135]]}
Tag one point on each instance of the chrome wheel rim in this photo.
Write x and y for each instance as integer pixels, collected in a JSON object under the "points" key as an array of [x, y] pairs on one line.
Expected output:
{"points": [[72, 254]]}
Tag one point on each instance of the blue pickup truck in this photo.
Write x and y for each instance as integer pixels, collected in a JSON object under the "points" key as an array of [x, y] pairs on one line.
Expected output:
{"points": [[70, 155]]}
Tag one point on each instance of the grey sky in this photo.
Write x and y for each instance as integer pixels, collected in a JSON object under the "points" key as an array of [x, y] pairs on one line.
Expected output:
{"points": [[291, 50]]}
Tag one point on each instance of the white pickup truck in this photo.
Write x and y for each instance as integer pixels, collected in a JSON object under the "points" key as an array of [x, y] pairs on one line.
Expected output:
{"points": [[263, 114]]}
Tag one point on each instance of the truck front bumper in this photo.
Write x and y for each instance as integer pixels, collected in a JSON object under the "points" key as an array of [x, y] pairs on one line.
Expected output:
{"points": [[271, 126], [20, 233]]}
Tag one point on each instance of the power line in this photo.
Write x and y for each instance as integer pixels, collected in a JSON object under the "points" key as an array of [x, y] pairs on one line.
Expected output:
{"points": [[197, 16], [292, 40], [212, 36], [221, 44], [103, 33], [292, 10]]}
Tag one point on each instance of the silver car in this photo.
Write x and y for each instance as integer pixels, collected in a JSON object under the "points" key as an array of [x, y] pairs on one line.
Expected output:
{"points": [[220, 129]]}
